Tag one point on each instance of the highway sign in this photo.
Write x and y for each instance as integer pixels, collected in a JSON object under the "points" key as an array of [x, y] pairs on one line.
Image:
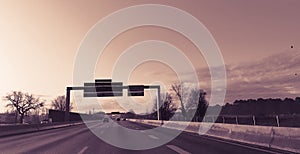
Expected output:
{"points": [[136, 90], [115, 113], [103, 89], [107, 88], [102, 94], [104, 80]]}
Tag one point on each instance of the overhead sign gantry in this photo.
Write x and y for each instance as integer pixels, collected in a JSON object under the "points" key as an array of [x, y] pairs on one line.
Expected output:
{"points": [[107, 88]]}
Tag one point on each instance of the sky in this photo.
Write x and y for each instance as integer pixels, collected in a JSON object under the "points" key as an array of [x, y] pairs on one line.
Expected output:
{"points": [[39, 42]]}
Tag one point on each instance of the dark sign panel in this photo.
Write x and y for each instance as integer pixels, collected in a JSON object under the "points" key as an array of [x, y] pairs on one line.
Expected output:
{"points": [[115, 113], [136, 90], [102, 94], [113, 84], [103, 89], [103, 80], [95, 87], [89, 84]]}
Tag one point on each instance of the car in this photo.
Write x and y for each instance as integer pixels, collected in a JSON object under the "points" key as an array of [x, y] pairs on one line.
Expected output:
{"points": [[105, 120], [124, 119], [44, 121]]}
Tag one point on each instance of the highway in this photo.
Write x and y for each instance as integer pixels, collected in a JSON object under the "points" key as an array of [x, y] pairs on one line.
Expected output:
{"points": [[79, 139]]}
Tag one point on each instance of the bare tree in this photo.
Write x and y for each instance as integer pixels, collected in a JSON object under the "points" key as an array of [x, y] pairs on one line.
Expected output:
{"points": [[23, 103], [197, 104], [178, 89], [167, 109], [59, 103]]}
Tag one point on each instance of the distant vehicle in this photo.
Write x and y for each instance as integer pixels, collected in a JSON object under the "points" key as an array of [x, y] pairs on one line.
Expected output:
{"points": [[105, 120], [45, 121], [118, 119]]}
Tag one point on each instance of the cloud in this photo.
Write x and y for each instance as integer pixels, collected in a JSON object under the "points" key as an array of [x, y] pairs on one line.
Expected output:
{"points": [[276, 76]]}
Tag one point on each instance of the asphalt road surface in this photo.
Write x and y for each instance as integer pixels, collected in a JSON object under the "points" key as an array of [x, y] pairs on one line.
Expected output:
{"points": [[79, 139]]}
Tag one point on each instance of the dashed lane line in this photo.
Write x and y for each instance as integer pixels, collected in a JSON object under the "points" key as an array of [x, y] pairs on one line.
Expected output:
{"points": [[177, 149], [83, 150], [153, 137]]}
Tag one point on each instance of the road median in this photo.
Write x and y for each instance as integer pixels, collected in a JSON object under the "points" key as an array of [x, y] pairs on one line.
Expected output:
{"points": [[283, 138], [9, 130]]}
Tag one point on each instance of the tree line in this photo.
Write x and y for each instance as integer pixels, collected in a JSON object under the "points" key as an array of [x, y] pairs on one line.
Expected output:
{"points": [[22, 103], [262, 107], [190, 102], [193, 106]]}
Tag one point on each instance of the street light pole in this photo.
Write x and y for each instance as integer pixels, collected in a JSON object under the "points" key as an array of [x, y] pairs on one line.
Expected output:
{"points": [[67, 112], [158, 104], [68, 92]]}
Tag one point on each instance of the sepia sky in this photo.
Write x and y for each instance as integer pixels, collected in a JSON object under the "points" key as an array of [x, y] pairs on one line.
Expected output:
{"points": [[39, 41]]}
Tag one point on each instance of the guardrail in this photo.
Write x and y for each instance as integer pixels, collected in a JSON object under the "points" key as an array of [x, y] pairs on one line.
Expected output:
{"points": [[268, 120], [283, 120], [283, 138], [21, 129]]}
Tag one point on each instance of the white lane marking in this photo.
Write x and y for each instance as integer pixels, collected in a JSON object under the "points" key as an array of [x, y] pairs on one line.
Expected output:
{"points": [[240, 145], [153, 137], [220, 139], [83, 150], [92, 126], [177, 149], [142, 131]]}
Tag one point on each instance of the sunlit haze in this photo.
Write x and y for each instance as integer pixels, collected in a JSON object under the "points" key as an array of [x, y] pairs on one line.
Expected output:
{"points": [[39, 41]]}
